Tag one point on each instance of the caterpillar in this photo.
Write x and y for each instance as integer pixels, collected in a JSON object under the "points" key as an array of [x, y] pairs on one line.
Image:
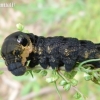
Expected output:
{"points": [[18, 48]]}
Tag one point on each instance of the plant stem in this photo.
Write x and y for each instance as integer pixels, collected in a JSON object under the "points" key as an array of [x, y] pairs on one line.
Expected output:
{"points": [[57, 90], [84, 62], [62, 76]]}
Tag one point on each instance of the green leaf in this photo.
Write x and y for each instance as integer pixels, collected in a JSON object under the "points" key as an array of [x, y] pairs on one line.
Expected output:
{"points": [[20, 27], [77, 95], [37, 70], [70, 75], [73, 73], [67, 87], [43, 73], [25, 31], [63, 82], [49, 80], [74, 82], [52, 79], [87, 77]]}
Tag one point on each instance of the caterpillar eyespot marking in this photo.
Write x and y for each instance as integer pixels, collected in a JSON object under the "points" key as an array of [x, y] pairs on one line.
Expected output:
{"points": [[18, 48]]}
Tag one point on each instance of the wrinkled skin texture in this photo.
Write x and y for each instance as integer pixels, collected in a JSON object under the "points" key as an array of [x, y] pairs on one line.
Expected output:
{"points": [[18, 48]]}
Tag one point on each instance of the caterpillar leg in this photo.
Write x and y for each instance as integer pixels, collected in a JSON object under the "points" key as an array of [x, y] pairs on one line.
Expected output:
{"points": [[54, 63], [32, 64], [69, 64], [44, 62]]}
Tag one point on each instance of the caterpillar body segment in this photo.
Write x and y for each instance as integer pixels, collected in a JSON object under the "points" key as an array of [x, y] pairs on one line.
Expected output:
{"points": [[58, 51]]}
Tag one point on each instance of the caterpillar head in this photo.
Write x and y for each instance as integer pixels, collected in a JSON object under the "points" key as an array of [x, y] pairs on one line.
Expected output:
{"points": [[15, 51]]}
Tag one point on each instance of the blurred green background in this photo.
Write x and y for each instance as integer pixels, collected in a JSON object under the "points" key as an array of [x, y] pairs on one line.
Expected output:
{"points": [[69, 18]]}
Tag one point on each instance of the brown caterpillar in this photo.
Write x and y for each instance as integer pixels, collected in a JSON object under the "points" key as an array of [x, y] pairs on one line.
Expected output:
{"points": [[19, 47]]}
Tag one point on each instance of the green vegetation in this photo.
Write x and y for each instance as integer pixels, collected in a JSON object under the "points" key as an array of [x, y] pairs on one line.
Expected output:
{"points": [[70, 18]]}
